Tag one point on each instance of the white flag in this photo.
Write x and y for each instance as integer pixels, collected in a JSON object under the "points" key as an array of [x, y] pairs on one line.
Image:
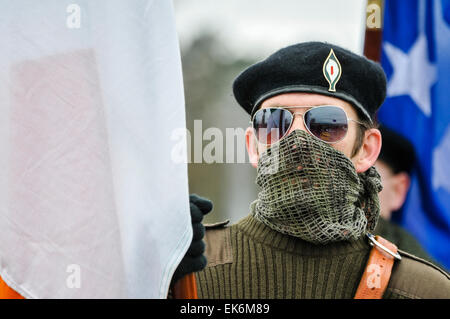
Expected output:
{"points": [[91, 203]]}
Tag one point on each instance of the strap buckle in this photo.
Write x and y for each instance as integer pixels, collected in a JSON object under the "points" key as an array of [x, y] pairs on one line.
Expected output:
{"points": [[373, 241]]}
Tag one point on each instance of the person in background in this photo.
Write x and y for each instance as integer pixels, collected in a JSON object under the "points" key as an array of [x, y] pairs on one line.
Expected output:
{"points": [[394, 164]]}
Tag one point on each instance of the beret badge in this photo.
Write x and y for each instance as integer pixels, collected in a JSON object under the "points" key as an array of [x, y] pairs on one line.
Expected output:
{"points": [[332, 70]]}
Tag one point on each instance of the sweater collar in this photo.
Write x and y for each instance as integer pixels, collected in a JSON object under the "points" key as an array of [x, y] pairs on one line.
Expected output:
{"points": [[264, 234]]}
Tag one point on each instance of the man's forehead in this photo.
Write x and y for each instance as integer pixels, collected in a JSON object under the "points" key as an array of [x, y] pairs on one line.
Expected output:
{"points": [[305, 99]]}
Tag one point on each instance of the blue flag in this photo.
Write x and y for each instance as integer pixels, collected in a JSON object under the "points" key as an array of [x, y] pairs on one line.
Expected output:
{"points": [[416, 59]]}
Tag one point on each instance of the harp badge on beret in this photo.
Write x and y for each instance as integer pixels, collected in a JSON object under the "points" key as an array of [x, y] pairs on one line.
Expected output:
{"points": [[332, 70]]}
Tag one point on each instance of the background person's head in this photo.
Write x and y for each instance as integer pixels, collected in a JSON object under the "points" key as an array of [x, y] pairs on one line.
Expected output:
{"points": [[394, 164]]}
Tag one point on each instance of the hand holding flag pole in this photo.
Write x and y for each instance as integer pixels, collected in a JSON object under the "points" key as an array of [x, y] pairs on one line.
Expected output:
{"points": [[184, 286]]}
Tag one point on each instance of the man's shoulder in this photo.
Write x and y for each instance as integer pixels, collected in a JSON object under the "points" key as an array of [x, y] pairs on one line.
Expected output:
{"points": [[401, 237], [413, 277], [218, 244]]}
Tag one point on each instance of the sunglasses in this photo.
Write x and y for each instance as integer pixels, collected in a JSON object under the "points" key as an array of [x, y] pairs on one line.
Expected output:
{"points": [[328, 123]]}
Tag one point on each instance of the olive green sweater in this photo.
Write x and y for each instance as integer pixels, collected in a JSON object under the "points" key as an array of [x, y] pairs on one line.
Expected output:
{"points": [[250, 260]]}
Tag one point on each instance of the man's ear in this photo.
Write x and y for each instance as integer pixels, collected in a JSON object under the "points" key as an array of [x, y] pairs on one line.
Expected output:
{"points": [[369, 150], [252, 146], [400, 185]]}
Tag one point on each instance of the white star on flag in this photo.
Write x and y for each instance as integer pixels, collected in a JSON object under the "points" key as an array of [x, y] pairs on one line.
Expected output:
{"points": [[413, 74]]}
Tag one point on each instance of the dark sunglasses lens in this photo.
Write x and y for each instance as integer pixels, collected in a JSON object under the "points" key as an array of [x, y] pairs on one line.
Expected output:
{"points": [[271, 124], [327, 123]]}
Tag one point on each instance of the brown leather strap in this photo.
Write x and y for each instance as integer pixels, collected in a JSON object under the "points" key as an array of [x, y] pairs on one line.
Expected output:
{"points": [[378, 271]]}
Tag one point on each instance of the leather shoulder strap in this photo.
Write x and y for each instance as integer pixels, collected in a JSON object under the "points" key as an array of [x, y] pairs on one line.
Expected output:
{"points": [[378, 270]]}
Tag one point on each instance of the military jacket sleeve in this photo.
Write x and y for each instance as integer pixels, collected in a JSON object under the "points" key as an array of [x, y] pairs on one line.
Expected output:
{"points": [[416, 278]]}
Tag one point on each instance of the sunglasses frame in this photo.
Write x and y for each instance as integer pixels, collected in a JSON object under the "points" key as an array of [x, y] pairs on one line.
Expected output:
{"points": [[287, 108]]}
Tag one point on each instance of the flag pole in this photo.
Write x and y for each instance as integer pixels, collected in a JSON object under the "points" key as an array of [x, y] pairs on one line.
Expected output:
{"points": [[374, 28], [185, 288]]}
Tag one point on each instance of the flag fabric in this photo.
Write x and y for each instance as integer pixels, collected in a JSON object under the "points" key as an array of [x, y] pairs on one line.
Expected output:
{"points": [[416, 59], [91, 203]]}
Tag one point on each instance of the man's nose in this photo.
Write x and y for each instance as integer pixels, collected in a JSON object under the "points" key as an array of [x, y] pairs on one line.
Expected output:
{"points": [[298, 123]]}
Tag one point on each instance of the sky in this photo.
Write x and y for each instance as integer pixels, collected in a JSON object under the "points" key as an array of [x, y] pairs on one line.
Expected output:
{"points": [[257, 28]]}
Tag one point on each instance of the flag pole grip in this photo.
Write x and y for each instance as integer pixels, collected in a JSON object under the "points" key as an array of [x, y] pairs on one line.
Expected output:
{"points": [[185, 288]]}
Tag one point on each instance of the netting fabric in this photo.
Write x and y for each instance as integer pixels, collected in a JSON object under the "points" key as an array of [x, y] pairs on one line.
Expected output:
{"points": [[312, 191]]}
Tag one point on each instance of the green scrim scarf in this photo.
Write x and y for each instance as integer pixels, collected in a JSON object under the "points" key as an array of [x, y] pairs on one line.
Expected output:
{"points": [[312, 191]]}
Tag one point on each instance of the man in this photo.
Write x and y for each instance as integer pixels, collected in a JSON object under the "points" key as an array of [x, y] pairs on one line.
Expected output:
{"points": [[313, 141], [394, 164]]}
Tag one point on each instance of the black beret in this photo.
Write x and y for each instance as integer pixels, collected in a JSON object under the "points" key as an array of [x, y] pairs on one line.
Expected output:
{"points": [[396, 151], [314, 67]]}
